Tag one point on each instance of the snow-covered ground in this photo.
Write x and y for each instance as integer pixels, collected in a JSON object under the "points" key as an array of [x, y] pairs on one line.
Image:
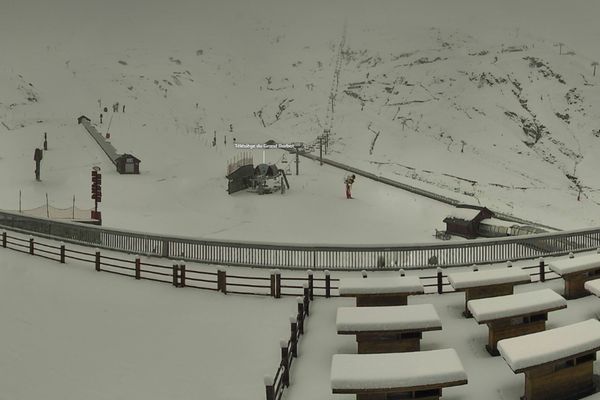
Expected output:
{"points": [[69, 332], [436, 103], [488, 102]]}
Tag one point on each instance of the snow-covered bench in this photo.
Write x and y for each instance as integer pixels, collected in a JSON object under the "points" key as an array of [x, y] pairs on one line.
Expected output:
{"points": [[558, 363], [576, 271], [381, 291], [387, 329], [593, 287], [515, 314], [420, 375], [487, 283]]}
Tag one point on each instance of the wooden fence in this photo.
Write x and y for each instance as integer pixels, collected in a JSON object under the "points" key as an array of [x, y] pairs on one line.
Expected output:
{"points": [[315, 257], [275, 284], [274, 386]]}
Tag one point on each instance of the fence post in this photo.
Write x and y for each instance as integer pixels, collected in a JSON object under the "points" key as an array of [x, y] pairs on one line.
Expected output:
{"points": [[300, 302], [62, 252], [4, 239], [285, 362], [294, 335], [270, 388], [311, 284], [542, 270], [306, 299], [440, 286], [165, 248], [182, 274], [273, 284], [327, 284], [277, 283], [97, 261], [31, 245], [138, 267], [175, 274], [222, 281]]}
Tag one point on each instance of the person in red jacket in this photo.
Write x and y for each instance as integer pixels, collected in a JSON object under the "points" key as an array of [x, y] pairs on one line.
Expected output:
{"points": [[349, 181]]}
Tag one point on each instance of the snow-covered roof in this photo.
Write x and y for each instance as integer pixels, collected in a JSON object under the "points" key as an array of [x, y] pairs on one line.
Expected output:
{"points": [[393, 318], [395, 370], [380, 285], [593, 287], [463, 213], [538, 348], [469, 279], [576, 264], [515, 304]]}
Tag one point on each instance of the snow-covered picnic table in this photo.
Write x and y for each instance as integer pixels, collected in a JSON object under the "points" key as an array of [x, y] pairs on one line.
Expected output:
{"points": [[557, 363], [576, 271], [515, 314], [387, 329], [487, 283], [422, 374], [381, 291]]}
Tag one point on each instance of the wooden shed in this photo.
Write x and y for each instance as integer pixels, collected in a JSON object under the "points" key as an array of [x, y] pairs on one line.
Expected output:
{"points": [[127, 164], [464, 221]]}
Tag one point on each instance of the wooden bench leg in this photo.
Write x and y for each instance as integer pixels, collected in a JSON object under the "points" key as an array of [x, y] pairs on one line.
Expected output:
{"points": [[574, 285], [431, 394], [375, 301], [381, 343], [560, 382], [505, 329]]}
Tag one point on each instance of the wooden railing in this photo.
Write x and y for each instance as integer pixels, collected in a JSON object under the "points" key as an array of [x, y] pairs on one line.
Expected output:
{"points": [[315, 257], [275, 285], [275, 385]]}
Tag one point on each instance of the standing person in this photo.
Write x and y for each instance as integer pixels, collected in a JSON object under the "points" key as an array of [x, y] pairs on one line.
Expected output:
{"points": [[100, 117], [123, 108], [37, 157], [349, 181]]}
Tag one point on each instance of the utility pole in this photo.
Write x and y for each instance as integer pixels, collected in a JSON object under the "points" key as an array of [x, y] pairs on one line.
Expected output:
{"points": [[297, 146], [321, 150]]}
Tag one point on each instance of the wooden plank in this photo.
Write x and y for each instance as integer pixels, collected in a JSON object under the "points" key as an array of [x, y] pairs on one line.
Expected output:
{"points": [[438, 385], [381, 300], [545, 310], [574, 283], [394, 331], [559, 382], [559, 360]]}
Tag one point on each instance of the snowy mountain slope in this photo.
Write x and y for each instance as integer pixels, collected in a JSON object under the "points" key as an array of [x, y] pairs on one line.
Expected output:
{"points": [[264, 71], [522, 113]]}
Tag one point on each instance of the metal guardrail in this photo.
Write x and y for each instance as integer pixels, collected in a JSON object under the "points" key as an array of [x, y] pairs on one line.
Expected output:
{"points": [[301, 256]]}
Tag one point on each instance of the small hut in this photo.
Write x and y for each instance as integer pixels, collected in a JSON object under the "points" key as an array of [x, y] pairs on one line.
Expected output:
{"points": [[464, 220], [127, 164]]}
